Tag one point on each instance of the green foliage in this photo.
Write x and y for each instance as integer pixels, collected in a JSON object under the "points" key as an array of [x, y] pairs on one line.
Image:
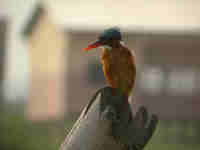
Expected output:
{"points": [[175, 135], [17, 133]]}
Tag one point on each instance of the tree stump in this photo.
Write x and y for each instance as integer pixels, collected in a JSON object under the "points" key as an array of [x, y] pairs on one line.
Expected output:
{"points": [[107, 123]]}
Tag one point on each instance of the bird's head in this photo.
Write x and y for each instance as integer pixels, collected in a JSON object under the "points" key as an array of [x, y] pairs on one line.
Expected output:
{"points": [[110, 37]]}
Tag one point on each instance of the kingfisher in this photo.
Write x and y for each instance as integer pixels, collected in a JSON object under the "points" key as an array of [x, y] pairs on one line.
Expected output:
{"points": [[118, 61]]}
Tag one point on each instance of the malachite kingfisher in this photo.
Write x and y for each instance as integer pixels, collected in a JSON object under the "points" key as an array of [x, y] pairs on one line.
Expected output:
{"points": [[117, 60]]}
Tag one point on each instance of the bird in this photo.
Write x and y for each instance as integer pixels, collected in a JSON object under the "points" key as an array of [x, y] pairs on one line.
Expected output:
{"points": [[118, 61]]}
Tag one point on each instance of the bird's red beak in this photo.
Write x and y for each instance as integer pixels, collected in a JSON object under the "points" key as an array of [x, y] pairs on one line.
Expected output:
{"points": [[93, 45]]}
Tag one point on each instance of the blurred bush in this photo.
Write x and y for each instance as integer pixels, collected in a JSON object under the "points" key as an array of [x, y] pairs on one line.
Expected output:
{"points": [[17, 133]]}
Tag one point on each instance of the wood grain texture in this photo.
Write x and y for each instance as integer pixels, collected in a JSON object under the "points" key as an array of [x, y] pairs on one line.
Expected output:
{"points": [[106, 123]]}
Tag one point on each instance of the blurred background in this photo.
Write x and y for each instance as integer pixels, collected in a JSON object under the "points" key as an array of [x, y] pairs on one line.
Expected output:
{"points": [[46, 78]]}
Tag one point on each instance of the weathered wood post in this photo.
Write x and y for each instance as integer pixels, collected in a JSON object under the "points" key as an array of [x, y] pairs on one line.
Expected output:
{"points": [[107, 123]]}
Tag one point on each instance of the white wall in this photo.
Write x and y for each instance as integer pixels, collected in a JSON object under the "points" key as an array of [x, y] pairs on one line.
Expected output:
{"points": [[128, 14]]}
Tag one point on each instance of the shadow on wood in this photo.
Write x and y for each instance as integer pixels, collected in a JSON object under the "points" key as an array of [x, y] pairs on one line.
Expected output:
{"points": [[107, 123]]}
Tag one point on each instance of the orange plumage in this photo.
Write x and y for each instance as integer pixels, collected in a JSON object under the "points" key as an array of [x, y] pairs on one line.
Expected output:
{"points": [[119, 68], [118, 63]]}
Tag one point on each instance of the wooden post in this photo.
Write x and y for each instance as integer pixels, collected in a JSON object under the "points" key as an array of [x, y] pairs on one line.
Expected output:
{"points": [[107, 123]]}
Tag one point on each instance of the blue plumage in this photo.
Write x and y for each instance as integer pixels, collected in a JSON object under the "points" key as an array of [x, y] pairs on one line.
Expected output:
{"points": [[111, 33]]}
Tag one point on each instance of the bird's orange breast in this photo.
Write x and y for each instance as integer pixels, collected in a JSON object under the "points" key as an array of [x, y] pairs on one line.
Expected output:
{"points": [[119, 68]]}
